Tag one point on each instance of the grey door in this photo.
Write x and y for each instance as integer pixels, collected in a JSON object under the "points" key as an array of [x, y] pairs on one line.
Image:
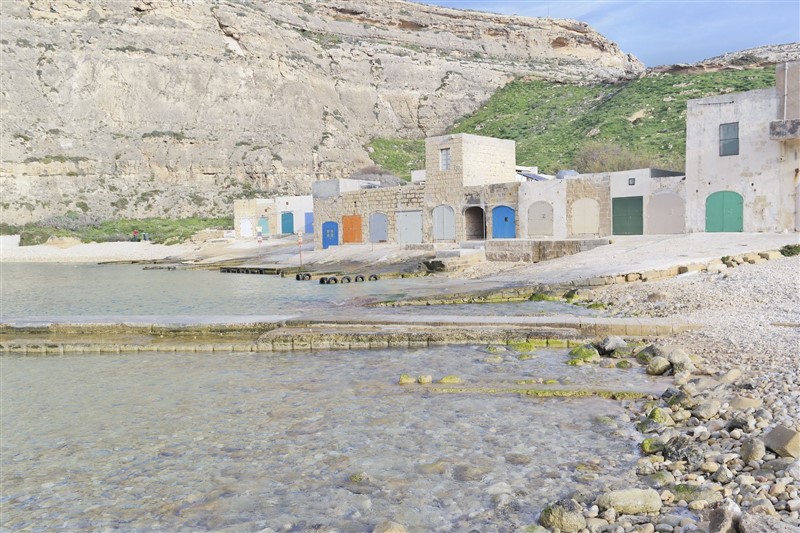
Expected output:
{"points": [[378, 227], [444, 223], [409, 226]]}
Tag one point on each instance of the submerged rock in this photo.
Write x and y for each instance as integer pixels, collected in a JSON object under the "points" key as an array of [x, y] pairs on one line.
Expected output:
{"points": [[389, 527], [583, 354]]}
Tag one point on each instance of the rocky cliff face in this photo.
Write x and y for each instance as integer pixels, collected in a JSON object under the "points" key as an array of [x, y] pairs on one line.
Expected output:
{"points": [[175, 107]]}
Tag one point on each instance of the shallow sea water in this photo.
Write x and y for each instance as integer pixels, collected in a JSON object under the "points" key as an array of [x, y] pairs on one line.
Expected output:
{"points": [[252, 442]]}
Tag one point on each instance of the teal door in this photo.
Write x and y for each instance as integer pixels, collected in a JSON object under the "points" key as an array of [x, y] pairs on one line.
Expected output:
{"points": [[724, 212], [263, 225], [287, 222], [627, 216]]}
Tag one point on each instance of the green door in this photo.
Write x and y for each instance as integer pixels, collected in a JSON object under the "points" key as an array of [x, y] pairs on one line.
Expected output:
{"points": [[724, 212], [627, 215]]}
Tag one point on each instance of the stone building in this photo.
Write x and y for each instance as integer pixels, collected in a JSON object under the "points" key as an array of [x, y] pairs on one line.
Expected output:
{"points": [[469, 192], [631, 202], [273, 216], [743, 158]]}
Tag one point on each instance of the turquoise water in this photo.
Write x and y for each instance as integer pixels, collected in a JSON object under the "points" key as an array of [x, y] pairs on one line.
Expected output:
{"points": [[65, 292], [254, 442]]}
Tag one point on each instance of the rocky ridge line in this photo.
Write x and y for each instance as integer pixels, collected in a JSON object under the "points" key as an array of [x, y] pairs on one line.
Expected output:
{"points": [[177, 107]]}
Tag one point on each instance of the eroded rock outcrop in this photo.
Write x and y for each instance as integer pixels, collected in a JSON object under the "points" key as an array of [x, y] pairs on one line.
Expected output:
{"points": [[177, 106]]}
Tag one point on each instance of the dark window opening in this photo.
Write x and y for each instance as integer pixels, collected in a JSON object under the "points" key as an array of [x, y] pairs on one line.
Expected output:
{"points": [[729, 139]]}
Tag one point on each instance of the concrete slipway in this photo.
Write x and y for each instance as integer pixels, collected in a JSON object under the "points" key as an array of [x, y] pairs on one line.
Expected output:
{"points": [[637, 259]]}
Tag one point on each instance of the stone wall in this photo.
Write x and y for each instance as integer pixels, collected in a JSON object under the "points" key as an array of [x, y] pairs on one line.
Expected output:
{"points": [[554, 192], [595, 188], [530, 250], [387, 200]]}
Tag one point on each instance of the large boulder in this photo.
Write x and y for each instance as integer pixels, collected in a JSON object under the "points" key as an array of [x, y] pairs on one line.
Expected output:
{"points": [[566, 515], [631, 501], [680, 360], [783, 441], [658, 366], [610, 344], [760, 523]]}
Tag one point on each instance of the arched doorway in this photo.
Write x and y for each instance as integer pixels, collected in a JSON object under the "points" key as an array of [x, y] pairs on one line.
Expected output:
{"points": [[666, 214], [475, 224], [444, 223], [378, 227], [585, 215], [504, 223], [724, 212], [330, 234], [540, 219]]}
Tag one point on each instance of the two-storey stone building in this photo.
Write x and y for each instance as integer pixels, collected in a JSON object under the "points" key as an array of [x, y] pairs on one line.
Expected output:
{"points": [[743, 158], [470, 192]]}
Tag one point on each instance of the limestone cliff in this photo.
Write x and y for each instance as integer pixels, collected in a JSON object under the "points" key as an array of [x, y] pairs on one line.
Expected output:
{"points": [[175, 107]]}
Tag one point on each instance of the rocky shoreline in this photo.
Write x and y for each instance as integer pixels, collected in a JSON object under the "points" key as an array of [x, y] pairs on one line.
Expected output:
{"points": [[718, 457], [722, 448]]}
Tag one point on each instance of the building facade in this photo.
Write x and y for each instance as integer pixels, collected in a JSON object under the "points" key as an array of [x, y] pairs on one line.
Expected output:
{"points": [[469, 192], [743, 158], [273, 216]]}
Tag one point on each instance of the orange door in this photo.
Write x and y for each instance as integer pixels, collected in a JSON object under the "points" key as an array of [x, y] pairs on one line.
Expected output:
{"points": [[352, 229]]}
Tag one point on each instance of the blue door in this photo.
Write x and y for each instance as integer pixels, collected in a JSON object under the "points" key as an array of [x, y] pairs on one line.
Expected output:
{"points": [[263, 225], [309, 223], [287, 222], [503, 223], [330, 234]]}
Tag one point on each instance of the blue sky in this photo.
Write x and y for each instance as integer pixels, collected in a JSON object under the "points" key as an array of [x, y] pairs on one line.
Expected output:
{"points": [[662, 32]]}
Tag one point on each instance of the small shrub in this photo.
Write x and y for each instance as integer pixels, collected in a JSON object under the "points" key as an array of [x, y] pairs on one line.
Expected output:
{"points": [[9, 229], [790, 250]]}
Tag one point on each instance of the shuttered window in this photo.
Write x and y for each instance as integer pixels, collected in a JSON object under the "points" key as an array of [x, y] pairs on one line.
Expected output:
{"points": [[729, 139], [444, 159]]}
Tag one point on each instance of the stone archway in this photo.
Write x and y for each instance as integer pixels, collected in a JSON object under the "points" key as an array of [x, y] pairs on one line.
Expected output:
{"points": [[475, 224]]}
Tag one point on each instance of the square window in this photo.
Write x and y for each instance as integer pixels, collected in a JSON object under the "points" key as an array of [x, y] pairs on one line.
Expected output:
{"points": [[444, 159], [729, 139], [631, 181]]}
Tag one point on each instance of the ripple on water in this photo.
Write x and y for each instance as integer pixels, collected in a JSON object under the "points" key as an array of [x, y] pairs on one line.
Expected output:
{"points": [[208, 441]]}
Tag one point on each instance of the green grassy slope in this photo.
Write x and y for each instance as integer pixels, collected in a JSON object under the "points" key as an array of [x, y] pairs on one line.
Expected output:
{"points": [[550, 121]]}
